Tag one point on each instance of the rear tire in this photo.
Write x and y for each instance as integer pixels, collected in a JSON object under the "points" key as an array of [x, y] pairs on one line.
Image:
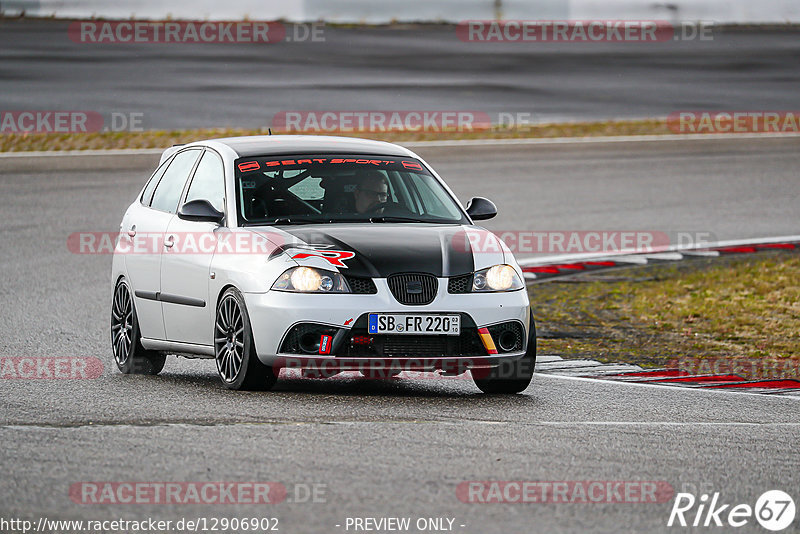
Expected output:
{"points": [[238, 365], [510, 377], [126, 340]]}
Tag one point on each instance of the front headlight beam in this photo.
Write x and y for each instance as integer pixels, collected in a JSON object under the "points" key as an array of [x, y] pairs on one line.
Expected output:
{"points": [[496, 278], [311, 280]]}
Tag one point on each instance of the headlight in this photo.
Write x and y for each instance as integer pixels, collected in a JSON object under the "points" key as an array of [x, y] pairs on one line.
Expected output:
{"points": [[497, 278], [309, 280]]}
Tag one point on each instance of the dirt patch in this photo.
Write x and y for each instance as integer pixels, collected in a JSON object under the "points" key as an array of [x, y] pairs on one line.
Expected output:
{"points": [[163, 138]]}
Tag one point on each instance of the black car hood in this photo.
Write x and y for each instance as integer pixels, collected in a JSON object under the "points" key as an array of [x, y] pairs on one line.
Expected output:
{"points": [[383, 249]]}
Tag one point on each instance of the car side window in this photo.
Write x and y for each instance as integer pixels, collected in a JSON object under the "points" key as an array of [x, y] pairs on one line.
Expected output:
{"points": [[431, 203], [209, 181], [147, 194], [169, 189]]}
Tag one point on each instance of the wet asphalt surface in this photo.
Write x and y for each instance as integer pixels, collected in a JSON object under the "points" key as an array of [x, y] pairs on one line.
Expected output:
{"points": [[429, 68], [400, 447]]}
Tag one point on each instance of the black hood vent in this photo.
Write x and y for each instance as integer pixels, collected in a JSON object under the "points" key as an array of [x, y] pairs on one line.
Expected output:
{"points": [[413, 289]]}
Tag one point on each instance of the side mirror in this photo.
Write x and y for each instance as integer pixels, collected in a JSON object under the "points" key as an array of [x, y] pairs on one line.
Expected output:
{"points": [[480, 209], [201, 211]]}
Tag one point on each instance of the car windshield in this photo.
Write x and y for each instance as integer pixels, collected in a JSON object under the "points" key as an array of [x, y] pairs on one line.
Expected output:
{"points": [[308, 189]]}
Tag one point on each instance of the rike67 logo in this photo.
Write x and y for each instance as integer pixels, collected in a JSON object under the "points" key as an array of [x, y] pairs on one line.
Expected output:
{"points": [[774, 510]]}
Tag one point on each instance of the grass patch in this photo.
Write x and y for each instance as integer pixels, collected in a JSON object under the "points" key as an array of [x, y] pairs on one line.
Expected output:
{"points": [[731, 314], [165, 138]]}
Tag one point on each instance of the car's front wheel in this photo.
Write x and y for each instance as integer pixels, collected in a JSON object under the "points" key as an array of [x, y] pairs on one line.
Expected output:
{"points": [[237, 363], [126, 340], [510, 377]]}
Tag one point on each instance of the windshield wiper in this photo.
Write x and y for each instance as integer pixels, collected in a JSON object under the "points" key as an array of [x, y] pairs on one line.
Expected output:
{"points": [[285, 221], [391, 218]]}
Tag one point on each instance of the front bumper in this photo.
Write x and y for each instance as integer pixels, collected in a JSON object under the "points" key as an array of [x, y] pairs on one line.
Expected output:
{"points": [[274, 314]]}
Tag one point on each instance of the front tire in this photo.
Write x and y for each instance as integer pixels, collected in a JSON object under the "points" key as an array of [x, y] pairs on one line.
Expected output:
{"points": [[126, 339], [238, 365], [510, 377]]}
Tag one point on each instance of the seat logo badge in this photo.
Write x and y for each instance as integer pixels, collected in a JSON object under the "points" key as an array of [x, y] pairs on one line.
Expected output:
{"points": [[414, 287], [249, 166]]}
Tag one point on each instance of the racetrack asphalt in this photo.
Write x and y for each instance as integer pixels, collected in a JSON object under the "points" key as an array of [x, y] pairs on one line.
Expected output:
{"points": [[390, 448], [409, 68]]}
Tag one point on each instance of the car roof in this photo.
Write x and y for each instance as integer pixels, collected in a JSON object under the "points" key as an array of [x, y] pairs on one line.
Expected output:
{"points": [[267, 145]]}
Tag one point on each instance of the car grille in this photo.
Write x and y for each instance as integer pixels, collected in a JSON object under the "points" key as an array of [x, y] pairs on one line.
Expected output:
{"points": [[411, 346], [459, 284], [361, 286], [304, 339], [394, 346], [413, 289]]}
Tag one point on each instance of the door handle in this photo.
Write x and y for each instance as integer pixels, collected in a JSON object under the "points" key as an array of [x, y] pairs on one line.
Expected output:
{"points": [[132, 231], [169, 241]]}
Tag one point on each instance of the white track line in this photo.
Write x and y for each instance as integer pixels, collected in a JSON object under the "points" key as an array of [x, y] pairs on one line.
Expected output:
{"points": [[659, 423], [590, 140], [670, 256], [666, 387], [70, 153]]}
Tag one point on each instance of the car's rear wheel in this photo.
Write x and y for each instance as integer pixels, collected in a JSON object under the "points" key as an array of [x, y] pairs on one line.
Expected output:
{"points": [[237, 363], [510, 377], [126, 340]]}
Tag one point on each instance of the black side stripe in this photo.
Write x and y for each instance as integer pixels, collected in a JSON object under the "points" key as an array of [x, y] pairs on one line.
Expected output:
{"points": [[172, 299]]}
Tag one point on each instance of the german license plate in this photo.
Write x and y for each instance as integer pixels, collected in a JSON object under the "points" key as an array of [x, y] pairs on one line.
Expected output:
{"points": [[390, 323]]}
